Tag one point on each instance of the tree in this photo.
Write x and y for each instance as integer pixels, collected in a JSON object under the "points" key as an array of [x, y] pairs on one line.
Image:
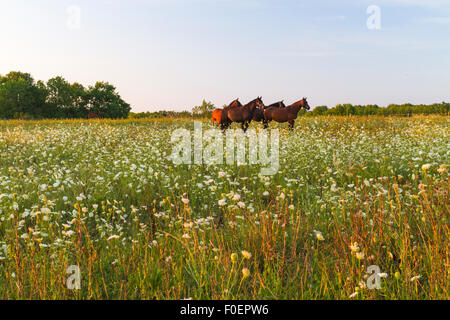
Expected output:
{"points": [[60, 96], [320, 110], [66, 100], [204, 110], [103, 100], [20, 97], [79, 101]]}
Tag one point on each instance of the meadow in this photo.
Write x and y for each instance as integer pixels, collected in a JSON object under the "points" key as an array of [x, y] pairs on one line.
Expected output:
{"points": [[103, 195]]}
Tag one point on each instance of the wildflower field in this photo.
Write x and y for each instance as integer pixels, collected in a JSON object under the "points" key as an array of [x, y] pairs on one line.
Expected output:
{"points": [[104, 196]]}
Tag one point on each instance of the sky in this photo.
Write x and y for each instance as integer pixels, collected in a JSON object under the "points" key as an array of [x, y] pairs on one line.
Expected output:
{"points": [[172, 54]]}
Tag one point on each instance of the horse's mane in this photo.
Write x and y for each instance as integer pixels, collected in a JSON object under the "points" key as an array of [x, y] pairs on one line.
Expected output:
{"points": [[237, 102], [253, 101], [277, 104], [298, 103]]}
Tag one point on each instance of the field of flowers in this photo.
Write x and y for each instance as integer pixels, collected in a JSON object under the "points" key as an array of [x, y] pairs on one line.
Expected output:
{"points": [[105, 196]]}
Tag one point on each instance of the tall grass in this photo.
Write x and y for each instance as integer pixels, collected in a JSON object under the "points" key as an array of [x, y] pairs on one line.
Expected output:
{"points": [[103, 195]]}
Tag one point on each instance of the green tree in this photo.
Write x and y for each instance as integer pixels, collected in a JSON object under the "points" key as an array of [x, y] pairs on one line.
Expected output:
{"points": [[66, 100], [60, 97], [79, 101], [105, 101], [320, 110], [204, 110], [21, 97]]}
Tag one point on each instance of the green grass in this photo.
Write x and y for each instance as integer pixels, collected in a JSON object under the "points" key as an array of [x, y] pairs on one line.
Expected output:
{"points": [[103, 195]]}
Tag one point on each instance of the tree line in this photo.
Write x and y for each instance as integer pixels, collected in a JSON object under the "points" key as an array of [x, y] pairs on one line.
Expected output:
{"points": [[206, 108], [161, 114], [202, 111], [21, 97], [406, 109]]}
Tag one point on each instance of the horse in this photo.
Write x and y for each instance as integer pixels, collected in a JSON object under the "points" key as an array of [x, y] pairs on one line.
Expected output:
{"points": [[217, 114], [241, 114], [288, 114], [94, 115], [258, 114], [276, 105]]}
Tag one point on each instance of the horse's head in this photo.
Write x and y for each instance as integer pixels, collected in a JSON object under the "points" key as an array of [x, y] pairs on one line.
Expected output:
{"points": [[259, 103], [305, 104]]}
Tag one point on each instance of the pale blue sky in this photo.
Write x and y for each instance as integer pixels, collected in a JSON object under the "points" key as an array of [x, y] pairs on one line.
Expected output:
{"points": [[171, 54]]}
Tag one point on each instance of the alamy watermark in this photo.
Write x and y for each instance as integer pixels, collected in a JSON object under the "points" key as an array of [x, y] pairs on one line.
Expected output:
{"points": [[374, 20], [74, 280], [73, 17], [212, 147], [374, 279]]}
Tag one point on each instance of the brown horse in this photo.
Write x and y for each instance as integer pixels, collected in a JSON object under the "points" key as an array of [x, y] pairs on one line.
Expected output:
{"points": [[288, 114], [276, 105], [217, 114], [258, 115], [94, 115], [241, 115]]}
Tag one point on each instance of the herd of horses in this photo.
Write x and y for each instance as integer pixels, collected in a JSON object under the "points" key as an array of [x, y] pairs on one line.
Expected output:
{"points": [[255, 110]]}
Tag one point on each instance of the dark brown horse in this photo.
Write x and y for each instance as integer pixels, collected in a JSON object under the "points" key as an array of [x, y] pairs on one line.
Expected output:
{"points": [[276, 105], [258, 114], [288, 114], [96, 115], [241, 115], [217, 114]]}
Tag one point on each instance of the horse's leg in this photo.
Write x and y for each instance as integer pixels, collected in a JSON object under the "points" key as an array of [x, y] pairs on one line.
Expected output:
{"points": [[266, 124], [247, 124], [291, 125]]}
